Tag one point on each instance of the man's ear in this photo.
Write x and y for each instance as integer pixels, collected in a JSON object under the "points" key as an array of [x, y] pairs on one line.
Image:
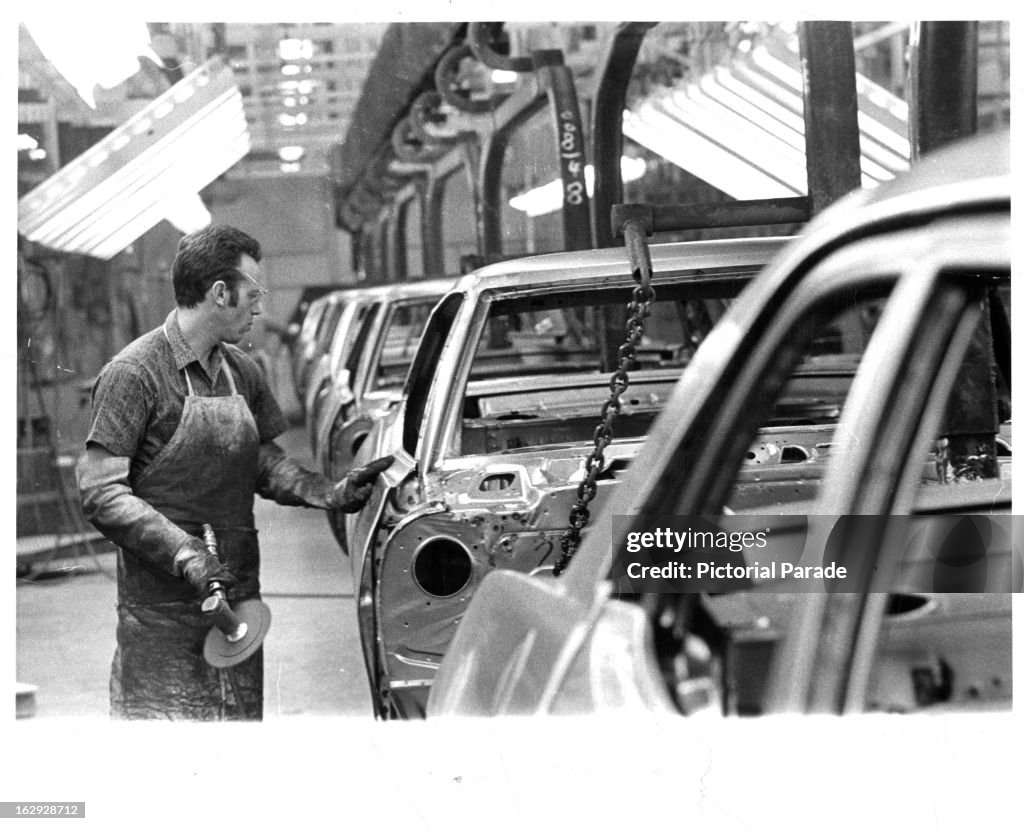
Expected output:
{"points": [[219, 293]]}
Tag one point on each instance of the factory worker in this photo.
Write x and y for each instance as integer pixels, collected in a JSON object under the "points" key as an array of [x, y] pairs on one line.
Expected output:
{"points": [[182, 434]]}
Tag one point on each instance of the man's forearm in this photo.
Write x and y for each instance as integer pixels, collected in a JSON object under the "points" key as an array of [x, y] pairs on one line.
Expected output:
{"points": [[126, 520], [288, 483]]}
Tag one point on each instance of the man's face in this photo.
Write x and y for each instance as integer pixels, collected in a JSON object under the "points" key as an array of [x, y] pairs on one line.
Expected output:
{"points": [[238, 319]]}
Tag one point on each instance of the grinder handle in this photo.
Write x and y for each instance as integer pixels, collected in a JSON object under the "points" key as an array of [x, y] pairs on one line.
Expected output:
{"points": [[210, 540], [216, 605]]}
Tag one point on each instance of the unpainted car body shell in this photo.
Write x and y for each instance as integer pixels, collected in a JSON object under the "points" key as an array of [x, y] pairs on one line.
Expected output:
{"points": [[367, 404], [544, 645], [325, 371], [310, 344], [438, 493], [302, 348]]}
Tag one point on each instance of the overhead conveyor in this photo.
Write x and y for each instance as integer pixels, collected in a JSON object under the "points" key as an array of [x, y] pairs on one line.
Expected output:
{"points": [[781, 130]]}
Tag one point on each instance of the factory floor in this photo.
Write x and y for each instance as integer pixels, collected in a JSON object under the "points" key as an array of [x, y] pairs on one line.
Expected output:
{"points": [[312, 661]]}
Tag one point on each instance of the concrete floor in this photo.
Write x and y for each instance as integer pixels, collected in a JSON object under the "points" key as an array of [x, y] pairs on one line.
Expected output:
{"points": [[312, 662]]}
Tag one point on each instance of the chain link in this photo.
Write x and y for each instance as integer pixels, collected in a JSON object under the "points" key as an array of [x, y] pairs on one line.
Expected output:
{"points": [[638, 310]]}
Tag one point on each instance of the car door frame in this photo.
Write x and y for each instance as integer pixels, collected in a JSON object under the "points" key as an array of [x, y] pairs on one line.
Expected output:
{"points": [[894, 410]]}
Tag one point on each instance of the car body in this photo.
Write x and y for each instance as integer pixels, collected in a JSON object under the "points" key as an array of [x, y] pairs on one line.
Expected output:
{"points": [[355, 307], [301, 344], [496, 422], [297, 320], [933, 248], [367, 372], [369, 376], [313, 339]]}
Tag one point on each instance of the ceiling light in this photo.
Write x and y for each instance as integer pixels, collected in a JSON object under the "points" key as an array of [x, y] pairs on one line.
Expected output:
{"points": [[688, 149], [295, 49], [741, 128], [26, 142], [292, 153], [103, 51], [107, 197], [186, 212], [290, 167], [290, 69], [303, 87], [548, 198], [632, 168]]}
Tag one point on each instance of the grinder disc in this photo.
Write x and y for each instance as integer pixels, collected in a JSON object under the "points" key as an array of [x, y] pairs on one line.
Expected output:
{"points": [[219, 652]]}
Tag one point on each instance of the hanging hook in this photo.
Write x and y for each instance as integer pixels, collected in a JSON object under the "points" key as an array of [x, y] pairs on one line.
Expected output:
{"points": [[446, 82], [635, 223], [482, 38]]}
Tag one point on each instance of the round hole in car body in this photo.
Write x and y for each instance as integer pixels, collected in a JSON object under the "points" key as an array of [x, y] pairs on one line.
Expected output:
{"points": [[442, 566]]}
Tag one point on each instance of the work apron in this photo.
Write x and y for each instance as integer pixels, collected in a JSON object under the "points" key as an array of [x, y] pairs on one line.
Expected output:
{"points": [[205, 474]]}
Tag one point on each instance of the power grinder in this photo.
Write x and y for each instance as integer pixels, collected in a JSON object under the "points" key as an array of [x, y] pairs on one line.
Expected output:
{"points": [[237, 633]]}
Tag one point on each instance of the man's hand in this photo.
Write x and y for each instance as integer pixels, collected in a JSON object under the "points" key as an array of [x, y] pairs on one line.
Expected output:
{"points": [[200, 567], [351, 493]]}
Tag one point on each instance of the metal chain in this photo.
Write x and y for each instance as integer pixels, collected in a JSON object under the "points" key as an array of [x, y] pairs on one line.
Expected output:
{"points": [[638, 310]]}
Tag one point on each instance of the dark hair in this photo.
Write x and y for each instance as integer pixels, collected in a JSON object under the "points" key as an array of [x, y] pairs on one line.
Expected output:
{"points": [[206, 256]]}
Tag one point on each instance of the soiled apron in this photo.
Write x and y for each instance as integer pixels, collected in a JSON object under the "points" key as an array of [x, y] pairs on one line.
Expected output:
{"points": [[206, 473]]}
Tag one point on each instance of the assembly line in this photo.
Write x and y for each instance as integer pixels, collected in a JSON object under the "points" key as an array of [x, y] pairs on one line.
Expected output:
{"points": [[508, 305]]}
